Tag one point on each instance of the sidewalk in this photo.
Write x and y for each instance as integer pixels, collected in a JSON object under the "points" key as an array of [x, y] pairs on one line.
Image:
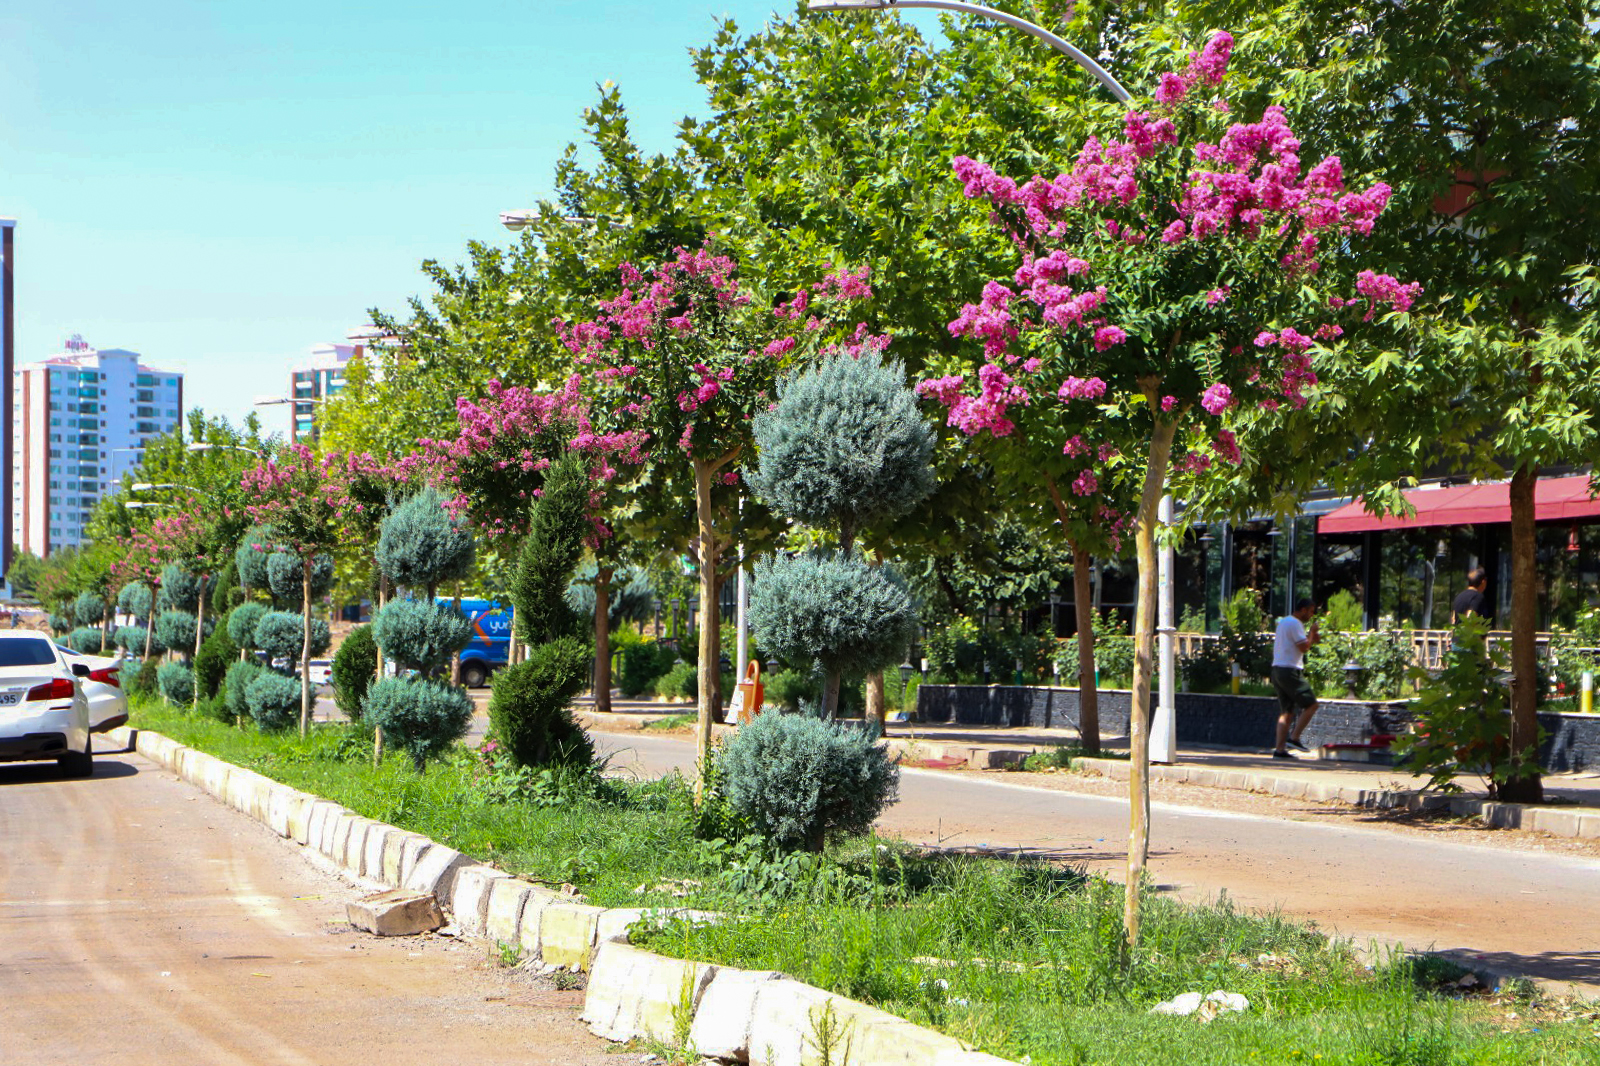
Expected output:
{"points": [[943, 747]]}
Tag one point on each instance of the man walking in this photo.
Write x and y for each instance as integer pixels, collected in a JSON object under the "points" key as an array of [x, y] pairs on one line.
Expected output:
{"points": [[1296, 702], [1471, 601]]}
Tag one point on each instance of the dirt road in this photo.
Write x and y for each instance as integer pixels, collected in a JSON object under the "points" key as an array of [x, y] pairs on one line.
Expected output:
{"points": [[143, 922], [1517, 910]]}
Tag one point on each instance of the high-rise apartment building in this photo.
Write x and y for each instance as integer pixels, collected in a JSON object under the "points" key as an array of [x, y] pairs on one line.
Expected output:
{"points": [[80, 421], [315, 382]]}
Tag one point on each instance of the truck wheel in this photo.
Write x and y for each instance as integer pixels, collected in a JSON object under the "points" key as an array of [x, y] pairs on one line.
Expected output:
{"points": [[473, 674]]}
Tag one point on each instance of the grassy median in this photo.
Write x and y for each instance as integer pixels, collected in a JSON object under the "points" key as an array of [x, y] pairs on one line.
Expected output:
{"points": [[1018, 957]]}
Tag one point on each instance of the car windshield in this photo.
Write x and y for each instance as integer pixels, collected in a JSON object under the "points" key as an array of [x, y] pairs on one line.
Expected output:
{"points": [[26, 651]]}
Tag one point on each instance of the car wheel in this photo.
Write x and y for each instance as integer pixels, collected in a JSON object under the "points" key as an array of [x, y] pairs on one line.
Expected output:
{"points": [[79, 764], [473, 675]]}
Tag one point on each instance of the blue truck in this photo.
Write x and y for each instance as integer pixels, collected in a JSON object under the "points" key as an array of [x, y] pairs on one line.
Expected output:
{"points": [[491, 640]]}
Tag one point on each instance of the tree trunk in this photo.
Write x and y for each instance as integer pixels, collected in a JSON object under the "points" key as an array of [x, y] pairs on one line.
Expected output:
{"points": [[150, 620], [1524, 626], [1144, 636], [305, 644], [383, 598], [876, 701], [1083, 611], [708, 666], [455, 663], [602, 639], [199, 635]]}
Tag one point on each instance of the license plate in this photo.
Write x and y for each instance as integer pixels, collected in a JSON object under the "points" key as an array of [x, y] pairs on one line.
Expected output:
{"points": [[10, 699]]}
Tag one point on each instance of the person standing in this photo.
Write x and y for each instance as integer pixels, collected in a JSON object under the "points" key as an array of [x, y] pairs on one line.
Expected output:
{"points": [[1296, 702], [1471, 600]]}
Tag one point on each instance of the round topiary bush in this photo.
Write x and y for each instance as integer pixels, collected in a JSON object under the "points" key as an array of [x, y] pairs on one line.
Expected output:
{"points": [[217, 653], [287, 582], [88, 609], [175, 630], [236, 684], [60, 623], [139, 678], [833, 609], [530, 705], [281, 636], [421, 718], [180, 589], [421, 636], [84, 639], [355, 667], [176, 682], [242, 625], [250, 559], [131, 640], [801, 780], [273, 700], [421, 545], [135, 598]]}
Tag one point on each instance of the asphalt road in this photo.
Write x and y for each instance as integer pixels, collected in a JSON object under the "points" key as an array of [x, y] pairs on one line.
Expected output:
{"points": [[143, 922], [1520, 911]]}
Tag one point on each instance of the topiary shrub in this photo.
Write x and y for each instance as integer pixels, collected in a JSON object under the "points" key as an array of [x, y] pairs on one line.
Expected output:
{"points": [[530, 705], [139, 678], [175, 630], [273, 701], [236, 684], [217, 653], [176, 682], [549, 554], [287, 583], [355, 667], [131, 639], [88, 609], [682, 680], [215, 708], [281, 636], [250, 559], [180, 589], [84, 639], [421, 718], [422, 545], [801, 781], [135, 598], [242, 625], [642, 665], [421, 636]]}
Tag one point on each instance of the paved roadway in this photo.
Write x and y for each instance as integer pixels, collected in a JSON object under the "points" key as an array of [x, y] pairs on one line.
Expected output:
{"points": [[142, 922], [1517, 910]]}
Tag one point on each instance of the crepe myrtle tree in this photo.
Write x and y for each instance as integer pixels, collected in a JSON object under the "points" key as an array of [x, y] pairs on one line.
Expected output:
{"points": [[843, 449], [306, 501], [1184, 266], [685, 356]]}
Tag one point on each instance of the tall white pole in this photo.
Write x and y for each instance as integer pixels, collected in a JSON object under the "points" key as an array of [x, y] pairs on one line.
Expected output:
{"points": [[1164, 727], [742, 616]]}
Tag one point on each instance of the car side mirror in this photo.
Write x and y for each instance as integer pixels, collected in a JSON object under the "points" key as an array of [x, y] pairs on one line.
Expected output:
{"points": [[80, 669]]}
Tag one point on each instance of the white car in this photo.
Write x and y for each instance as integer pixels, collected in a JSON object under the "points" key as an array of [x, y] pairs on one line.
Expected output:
{"points": [[108, 704], [44, 713]]}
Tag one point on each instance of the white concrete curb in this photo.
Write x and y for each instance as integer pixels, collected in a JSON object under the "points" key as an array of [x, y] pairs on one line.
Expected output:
{"points": [[760, 1017]]}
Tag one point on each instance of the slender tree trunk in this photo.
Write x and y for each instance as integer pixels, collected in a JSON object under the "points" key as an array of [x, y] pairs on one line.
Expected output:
{"points": [[455, 663], [1524, 625], [719, 698], [199, 637], [707, 667], [305, 644], [1083, 611], [150, 620], [602, 639], [832, 680], [876, 699], [383, 598], [1144, 637]]}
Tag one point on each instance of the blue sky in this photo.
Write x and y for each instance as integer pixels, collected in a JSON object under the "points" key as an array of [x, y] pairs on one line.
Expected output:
{"points": [[220, 185]]}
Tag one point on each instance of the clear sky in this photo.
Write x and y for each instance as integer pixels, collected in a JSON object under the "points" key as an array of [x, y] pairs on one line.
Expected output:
{"points": [[220, 185]]}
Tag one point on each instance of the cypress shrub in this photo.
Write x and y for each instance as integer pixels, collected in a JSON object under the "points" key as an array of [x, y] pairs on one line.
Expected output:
{"points": [[550, 553], [180, 589], [84, 639], [217, 652], [250, 559], [288, 583], [801, 781], [88, 609], [420, 718], [60, 623], [273, 701], [421, 636], [642, 664], [135, 598], [215, 708], [131, 640], [281, 635], [242, 624], [236, 684], [530, 705], [421, 545], [176, 682], [355, 667], [832, 609]]}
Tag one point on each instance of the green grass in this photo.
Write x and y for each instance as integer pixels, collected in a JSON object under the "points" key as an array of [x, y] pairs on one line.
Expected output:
{"points": [[1061, 756], [676, 721], [1015, 956]]}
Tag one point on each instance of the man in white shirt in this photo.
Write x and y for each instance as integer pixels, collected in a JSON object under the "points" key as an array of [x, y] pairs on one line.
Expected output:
{"points": [[1296, 702]]}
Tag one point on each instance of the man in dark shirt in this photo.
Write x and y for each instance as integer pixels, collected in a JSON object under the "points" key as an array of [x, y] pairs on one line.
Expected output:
{"points": [[1471, 600]]}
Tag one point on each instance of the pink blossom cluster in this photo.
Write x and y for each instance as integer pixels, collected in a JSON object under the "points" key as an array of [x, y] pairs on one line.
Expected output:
{"points": [[1075, 388], [1385, 289], [987, 410], [1207, 67], [1216, 399]]}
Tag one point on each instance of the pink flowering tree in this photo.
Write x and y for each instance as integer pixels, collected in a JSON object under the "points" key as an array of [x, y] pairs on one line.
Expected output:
{"points": [[686, 357], [146, 554], [1182, 270], [306, 500]]}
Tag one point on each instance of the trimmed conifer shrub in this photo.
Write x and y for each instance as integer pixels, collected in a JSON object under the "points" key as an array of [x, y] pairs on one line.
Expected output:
{"points": [[88, 609], [355, 667], [175, 630], [217, 652], [420, 718], [530, 705], [281, 635], [236, 684], [84, 639], [421, 636], [421, 545], [60, 623], [242, 624], [550, 554], [139, 679], [250, 559], [287, 583], [273, 700], [135, 598], [849, 617], [802, 781], [180, 590], [176, 682], [131, 640]]}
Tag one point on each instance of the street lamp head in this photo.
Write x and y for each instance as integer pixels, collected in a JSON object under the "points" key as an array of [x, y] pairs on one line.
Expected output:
{"points": [[206, 446], [135, 505], [516, 221], [848, 5]]}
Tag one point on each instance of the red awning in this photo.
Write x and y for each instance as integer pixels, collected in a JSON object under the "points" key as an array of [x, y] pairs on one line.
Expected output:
{"points": [[1463, 505]]}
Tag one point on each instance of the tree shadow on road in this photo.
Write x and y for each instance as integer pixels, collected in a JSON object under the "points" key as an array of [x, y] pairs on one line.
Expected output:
{"points": [[1579, 967], [32, 773]]}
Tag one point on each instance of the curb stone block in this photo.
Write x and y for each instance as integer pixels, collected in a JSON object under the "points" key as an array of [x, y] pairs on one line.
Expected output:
{"points": [[788, 1021], [355, 844], [721, 1027], [411, 850], [1561, 822], [395, 912], [372, 856], [566, 934], [634, 993], [503, 912], [435, 871], [298, 820], [533, 909], [782, 1025], [394, 845], [340, 840], [969, 1058], [276, 812], [319, 824], [613, 923], [469, 899]]}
